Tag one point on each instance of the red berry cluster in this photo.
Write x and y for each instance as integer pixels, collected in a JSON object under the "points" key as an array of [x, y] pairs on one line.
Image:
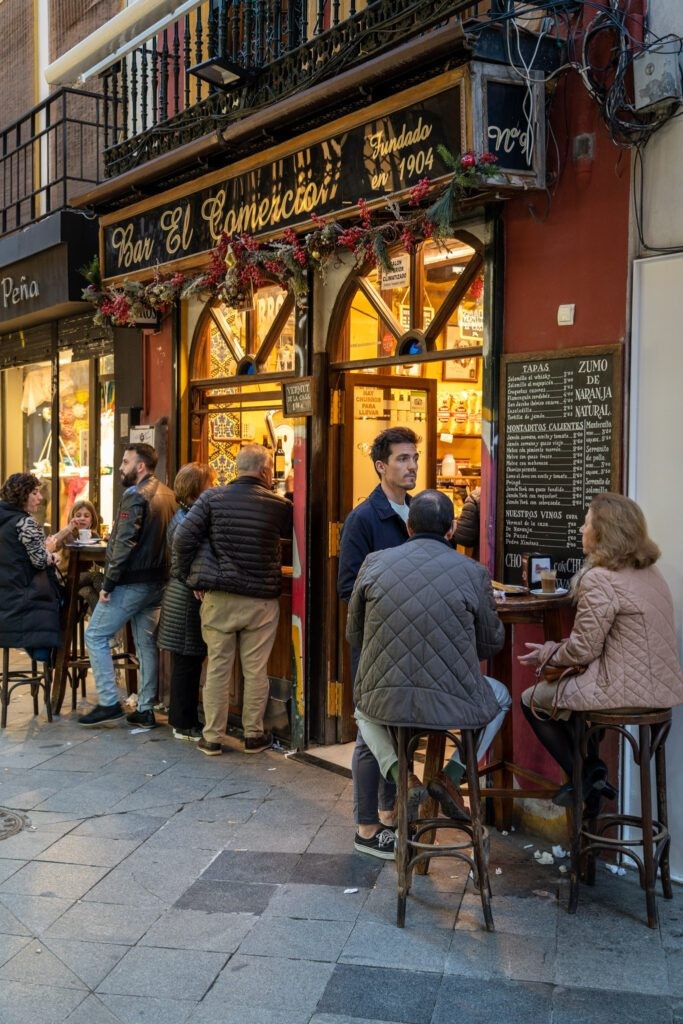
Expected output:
{"points": [[364, 213], [349, 237], [488, 158], [419, 192], [408, 239]]}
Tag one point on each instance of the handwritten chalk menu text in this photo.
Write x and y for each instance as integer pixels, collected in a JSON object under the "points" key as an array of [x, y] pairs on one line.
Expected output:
{"points": [[561, 431]]}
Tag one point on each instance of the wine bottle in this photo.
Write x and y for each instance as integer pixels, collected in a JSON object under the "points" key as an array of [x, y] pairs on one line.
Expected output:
{"points": [[279, 461]]}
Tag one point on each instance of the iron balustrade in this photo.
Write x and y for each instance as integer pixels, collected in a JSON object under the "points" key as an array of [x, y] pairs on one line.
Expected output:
{"points": [[52, 154], [288, 45]]}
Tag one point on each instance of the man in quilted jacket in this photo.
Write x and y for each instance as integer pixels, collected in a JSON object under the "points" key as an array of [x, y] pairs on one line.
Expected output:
{"points": [[228, 550], [424, 617]]}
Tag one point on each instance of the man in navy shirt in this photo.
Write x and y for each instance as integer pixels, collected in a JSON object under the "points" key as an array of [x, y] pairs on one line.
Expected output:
{"points": [[377, 523]]}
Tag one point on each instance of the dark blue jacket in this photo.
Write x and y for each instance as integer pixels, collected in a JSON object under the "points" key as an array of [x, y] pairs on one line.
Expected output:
{"points": [[372, 526]]}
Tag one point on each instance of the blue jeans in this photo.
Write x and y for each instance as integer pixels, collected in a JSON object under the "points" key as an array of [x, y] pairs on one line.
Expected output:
{"points": [[139, 604]]}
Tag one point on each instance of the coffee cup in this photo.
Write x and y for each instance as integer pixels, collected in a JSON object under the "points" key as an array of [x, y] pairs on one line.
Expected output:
{"points": [[84, 536], [548, 581]]}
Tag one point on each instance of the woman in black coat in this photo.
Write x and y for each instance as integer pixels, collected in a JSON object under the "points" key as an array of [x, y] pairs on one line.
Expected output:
{"points": [[180, 630], [29, 591]]}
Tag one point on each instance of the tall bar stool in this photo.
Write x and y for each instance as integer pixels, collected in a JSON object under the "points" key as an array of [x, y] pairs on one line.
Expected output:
{"points": [[411, 850], [35, 678], [590, 833]]}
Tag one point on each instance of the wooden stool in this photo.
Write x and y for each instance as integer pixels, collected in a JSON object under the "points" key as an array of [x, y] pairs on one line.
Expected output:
{"points": [[413, 851], [23, 677], [589, 834], [78, 663]]}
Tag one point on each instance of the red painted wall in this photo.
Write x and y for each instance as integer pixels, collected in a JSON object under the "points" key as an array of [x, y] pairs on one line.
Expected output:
{"points": [[577, 251], [574, 250]]}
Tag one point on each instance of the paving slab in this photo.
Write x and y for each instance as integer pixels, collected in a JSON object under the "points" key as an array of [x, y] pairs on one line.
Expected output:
{"points": [[270, 983], [372, 993], [147, 1010], [10, 945], [486, 955], [431, 907], [571, 1005], [36, 964], [218, 896], [36, 913], [384, 945], [103, 922], [92, 1011], [89, 961], [89, 850], [9, 867], [238, 866], [215, 1013], [199, 929], [21, 1003], [124, 825], [257, 836], [510, 1002], [157, 973], [300, 938], [69, 881], [317, 902]]}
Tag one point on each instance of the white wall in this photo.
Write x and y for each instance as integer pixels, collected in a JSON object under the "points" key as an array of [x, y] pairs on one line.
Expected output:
{"points": [[663, 157], [656, 462]]}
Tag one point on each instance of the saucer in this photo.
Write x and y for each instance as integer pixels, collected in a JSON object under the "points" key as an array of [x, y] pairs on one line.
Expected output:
{"points": [[538, 592]]}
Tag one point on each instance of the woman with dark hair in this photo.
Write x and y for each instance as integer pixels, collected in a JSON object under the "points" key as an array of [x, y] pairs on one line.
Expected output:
{"points": [[623, 640], [29, 592], [180, 628]]}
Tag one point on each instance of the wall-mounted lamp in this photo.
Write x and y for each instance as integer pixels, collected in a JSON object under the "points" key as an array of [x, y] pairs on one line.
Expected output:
{"points": [[221, 72]]}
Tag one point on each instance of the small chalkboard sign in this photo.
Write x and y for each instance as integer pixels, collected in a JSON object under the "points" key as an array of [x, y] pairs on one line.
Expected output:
{"points": [[560, 429], [297, 397]]}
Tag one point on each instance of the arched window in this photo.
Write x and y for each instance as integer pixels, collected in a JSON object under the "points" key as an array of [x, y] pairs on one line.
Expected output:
{"points": [[237, 358], [432, 301]]}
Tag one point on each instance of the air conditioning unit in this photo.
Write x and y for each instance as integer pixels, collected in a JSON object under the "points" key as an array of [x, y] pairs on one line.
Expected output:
{"points": [[657, 78]]}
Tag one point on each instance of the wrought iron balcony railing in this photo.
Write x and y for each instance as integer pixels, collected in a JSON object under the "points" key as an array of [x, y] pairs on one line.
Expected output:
{"points": [[287, 44], [51, 155]]}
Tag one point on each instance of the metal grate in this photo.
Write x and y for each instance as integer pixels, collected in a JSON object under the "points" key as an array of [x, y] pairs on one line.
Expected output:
{"points": [[11, 822]]}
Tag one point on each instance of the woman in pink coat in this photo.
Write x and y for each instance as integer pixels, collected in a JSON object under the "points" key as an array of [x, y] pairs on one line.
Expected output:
{"points": [[623, 638]]}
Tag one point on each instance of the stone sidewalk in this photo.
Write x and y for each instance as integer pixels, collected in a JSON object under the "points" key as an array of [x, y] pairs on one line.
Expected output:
{"points": [[154, 885]]}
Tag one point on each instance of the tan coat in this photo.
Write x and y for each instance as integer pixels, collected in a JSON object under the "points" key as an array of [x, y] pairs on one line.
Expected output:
{"points": [[624, 632]]}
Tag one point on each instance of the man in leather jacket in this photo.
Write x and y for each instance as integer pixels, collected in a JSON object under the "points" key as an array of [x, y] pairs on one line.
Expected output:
{"points": [[135, 572]]}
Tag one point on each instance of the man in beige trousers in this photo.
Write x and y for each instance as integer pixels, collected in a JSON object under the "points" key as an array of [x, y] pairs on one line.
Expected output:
{"points": [[228, 550]]}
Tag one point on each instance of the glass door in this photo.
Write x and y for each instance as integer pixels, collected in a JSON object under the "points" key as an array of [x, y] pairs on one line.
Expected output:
{"points": [[373, 403]]}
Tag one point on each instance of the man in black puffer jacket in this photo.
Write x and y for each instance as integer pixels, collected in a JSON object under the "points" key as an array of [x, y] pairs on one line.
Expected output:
{"points": [[228, 551]]}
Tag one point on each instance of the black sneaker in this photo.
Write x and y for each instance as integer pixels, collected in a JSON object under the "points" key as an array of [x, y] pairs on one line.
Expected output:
{"points": [[102, 715], [144, 719], [190, 735], [210, 749], [380, 845], [255, 744]]}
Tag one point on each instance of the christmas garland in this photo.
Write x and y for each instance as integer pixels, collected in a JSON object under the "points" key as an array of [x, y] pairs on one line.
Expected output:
{"points": [[240, 264]]}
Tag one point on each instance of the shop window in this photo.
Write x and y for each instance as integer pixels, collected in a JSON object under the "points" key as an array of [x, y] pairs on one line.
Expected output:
{"points": [[232, 347], [29, 433]]}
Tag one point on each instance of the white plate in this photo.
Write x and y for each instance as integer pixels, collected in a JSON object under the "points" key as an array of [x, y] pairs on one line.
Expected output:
{"points": [[538, 592], [85, 543]]}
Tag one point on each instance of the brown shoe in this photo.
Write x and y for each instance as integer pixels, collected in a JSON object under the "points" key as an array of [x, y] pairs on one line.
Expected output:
{"points": [[443, 789], [416, 794]]}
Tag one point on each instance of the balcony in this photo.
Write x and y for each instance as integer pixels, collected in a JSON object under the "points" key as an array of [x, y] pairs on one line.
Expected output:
{"points": [[51, 155], [284, 46]]}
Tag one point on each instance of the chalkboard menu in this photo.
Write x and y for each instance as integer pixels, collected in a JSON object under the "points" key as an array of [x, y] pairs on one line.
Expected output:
{"points": [[560, 429]]}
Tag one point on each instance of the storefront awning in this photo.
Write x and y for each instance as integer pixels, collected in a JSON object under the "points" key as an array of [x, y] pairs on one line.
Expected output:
{"points": [[121, 34]]}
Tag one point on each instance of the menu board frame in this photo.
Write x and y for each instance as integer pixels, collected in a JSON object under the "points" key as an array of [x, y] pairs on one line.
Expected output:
{"points": [[615, 351]]}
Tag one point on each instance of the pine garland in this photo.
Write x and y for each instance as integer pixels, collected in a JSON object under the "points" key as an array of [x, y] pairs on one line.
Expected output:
{"points": [[240, 264]]}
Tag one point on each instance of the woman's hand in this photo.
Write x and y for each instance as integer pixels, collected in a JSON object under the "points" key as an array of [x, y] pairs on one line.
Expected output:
{"points": [[51, 542], [533, 657]]}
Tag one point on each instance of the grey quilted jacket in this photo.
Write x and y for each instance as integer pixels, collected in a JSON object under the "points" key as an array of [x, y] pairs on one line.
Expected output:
{"points": [[624, 632], [425, 616]]}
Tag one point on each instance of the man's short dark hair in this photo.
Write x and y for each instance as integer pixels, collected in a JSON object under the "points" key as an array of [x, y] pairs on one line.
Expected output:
{"points": [[381, 446], [145, 453], [431, 512]]}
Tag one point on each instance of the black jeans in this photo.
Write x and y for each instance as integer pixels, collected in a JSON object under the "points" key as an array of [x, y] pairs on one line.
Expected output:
{"points": [[370, 789], [186, 670]]}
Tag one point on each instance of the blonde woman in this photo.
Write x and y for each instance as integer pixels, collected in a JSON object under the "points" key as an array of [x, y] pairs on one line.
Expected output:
{"points": [[623, 639]]}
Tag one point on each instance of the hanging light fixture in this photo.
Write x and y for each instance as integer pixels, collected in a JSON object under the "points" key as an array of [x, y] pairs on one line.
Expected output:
{"points": [[221, 72]]}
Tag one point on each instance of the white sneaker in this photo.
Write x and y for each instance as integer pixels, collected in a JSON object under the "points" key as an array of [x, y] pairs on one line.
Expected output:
{"points": [[190, 735]]}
